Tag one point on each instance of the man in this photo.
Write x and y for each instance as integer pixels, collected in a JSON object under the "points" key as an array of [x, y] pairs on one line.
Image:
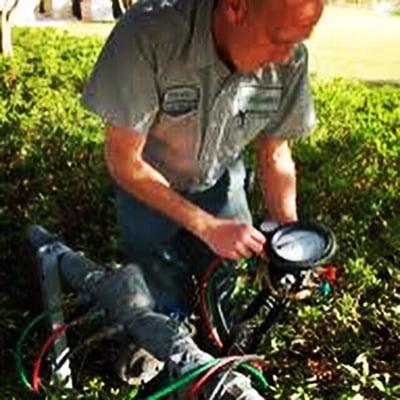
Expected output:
{"points": [[184, 86]]}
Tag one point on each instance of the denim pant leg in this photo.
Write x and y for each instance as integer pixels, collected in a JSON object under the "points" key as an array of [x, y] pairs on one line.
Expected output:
{"points": [[227, 199], [236, 205], [147, 237], [144, 231]]}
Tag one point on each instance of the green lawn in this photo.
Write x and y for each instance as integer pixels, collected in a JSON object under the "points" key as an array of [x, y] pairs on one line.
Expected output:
{"points": [[348, 42]]}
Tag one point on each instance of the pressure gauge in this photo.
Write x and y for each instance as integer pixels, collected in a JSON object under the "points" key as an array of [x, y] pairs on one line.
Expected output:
{"points": [[300, 245]]}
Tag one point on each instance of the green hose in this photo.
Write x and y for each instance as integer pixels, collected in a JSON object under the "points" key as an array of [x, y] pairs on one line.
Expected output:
{"points": [[190, 376], [183, 380], [18, 349], [256, 373]]}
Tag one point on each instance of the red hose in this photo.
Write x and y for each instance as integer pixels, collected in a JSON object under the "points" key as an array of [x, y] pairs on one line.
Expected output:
{"points": [[254, 361], [194, 391], [211, 330], [57, 332]]}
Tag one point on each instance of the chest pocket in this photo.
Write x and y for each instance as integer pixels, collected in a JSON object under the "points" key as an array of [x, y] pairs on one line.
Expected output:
{"points": [[253, 108], [181, 100], [256, 101]]}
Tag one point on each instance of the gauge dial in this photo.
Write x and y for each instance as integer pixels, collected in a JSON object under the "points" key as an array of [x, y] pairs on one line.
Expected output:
{"points": [[300, 245]]}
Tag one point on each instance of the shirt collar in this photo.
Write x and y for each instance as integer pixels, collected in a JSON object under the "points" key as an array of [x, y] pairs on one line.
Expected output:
{"points": [[207, 54]]}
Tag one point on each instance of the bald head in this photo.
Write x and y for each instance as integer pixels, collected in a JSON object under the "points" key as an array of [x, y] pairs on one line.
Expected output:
{"points": [[286, 21], [305, 11], [263, 30]]}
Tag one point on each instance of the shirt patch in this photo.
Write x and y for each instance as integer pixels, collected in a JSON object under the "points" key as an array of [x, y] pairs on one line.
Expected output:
{"points": [[259, 100], [181, 100]]}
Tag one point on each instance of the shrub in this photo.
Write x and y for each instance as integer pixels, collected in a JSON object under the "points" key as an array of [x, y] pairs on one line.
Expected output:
{"points": [[50, 144], [52, 169], [350, 180]]}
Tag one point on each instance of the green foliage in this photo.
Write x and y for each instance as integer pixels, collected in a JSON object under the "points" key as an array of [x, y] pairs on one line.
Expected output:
{"points": [[52, 172], [52, 169], [50, 144], [349, 179]]}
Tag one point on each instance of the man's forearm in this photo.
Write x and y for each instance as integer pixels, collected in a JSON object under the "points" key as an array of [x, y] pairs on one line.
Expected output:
{"points": [[150, 187], [123, 152], [278, 179]]}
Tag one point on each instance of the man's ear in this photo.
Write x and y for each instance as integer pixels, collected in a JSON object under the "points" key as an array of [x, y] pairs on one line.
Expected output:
{"points": [[235, 10]]}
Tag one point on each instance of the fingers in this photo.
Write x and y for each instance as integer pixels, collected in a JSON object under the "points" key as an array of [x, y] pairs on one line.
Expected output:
{"points": [[258, 243], [243, 250], [232, 240], [255, 241], [258, 236], [236, 251], [252, 242], [233, 255]]}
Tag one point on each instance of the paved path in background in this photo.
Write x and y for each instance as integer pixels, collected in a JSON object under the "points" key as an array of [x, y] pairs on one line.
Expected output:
{"points": [[348, 42]]}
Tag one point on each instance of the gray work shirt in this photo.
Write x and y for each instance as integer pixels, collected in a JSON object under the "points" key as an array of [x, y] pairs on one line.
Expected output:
{"points": [[159, 74]]}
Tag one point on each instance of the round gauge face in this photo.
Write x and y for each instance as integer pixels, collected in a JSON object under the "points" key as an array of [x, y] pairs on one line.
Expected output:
{"points": [[300, 245]]}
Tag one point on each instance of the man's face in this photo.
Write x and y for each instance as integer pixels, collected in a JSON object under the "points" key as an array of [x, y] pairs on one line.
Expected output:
{"points": [[271, 29]]}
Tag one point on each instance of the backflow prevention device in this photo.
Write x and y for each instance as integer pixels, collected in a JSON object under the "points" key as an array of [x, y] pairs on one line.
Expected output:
{"points": [[295, 253], [101, 288]]}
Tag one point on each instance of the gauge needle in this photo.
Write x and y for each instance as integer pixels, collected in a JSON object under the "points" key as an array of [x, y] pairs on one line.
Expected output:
{"points": [[293, 241]]}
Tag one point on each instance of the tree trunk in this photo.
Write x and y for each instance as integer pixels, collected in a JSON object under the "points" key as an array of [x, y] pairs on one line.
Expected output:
{"points": [[7, 7]]}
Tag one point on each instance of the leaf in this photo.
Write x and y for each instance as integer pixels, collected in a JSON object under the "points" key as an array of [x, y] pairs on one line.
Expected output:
{"points": [[358, 396], [352, 371], [361, 359], [379, 385]]}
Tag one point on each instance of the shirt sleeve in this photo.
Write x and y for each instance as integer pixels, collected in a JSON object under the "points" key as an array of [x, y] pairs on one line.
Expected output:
{"points": [[122, 87], [298, 116]]}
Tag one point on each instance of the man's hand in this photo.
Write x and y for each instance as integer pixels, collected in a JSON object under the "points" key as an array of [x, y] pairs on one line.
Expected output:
{"points": [[233, 240]]}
